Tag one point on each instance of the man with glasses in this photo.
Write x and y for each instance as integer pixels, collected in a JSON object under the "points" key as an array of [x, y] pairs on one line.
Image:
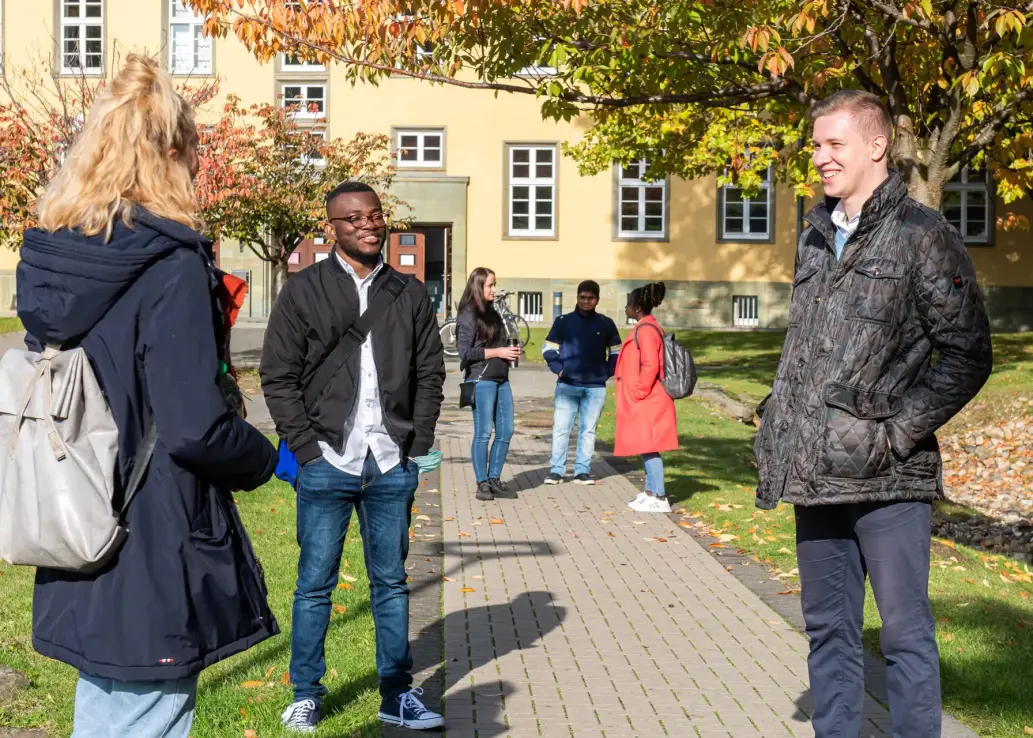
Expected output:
{"points": [[355, 400]]}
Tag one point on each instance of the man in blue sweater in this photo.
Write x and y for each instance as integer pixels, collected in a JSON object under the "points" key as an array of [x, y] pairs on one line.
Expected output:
{"points": [[581, 349]]}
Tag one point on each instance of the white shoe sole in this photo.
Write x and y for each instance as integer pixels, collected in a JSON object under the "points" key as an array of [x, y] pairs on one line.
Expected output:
{"points": [[586, 483], [436, 722], [553, 481]]}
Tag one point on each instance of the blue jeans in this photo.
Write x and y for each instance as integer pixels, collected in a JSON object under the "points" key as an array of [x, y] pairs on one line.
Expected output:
{"points": [[493, 408], [836, 546], [326, 498], [587, 404], [654, 464], [104, 708]]}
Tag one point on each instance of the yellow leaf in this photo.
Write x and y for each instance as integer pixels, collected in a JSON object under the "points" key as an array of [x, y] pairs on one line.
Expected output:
{"points": [[345, 585], [269, 672], [348, 577], [340, 609], [496, 521], [253, 684], [1027, 730], [464, 590]]}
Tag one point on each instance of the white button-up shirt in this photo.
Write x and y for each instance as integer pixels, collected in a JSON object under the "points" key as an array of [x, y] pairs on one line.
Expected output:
{"points": [[845, 227], [364, 431]]}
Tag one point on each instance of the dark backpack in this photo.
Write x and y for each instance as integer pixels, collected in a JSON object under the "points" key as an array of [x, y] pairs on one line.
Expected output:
{"points": [[678, 374]]}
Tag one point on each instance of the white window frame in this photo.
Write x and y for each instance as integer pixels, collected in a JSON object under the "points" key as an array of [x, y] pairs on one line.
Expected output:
{"points": [[82, 22], [306, 66], [201, 45], [640, 185], [766, 193], [321, 161], [305, 101], [420, 161], [533, 183], [964, 186]]}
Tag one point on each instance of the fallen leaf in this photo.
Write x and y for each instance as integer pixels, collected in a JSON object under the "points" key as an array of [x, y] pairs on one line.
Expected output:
{"points": [[250, 734], [243, 713], [348, 577], [467, 589], [448, 579], [1027, 730], [784, 550], [347, 564], [948, 637], [450, 518], [661, 540], [496, 521], [684, 524], [423, 517], [345, 585], [477, 576], [717, 545], [253, 684], [340, 609], [789, 592], [463, 534], [610, 534], [333, 673], [269, 672], [286, 679], [726, 537]]}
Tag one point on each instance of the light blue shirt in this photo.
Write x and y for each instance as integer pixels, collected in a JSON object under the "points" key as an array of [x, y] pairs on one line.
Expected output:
{"points": [[845, 228], [364, 431]]}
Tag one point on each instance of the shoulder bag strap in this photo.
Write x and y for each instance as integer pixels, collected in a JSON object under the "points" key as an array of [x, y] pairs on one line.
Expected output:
{"points": [[143, 458], [354, 337]]}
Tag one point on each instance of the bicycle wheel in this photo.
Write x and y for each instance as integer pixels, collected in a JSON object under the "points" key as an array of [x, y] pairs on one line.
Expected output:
{"points": [[517, 327], [449, 338]]}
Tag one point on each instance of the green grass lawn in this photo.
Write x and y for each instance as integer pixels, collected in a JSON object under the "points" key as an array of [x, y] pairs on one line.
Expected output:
{"points": [[983, 604], [10, 325], [242, 693]]}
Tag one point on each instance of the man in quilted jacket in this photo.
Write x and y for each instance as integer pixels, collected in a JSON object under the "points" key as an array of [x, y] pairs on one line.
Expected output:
{"points": [[848, 432]]}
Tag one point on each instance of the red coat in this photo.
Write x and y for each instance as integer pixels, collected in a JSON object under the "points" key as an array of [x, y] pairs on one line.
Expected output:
{"points": [[646, 421]]}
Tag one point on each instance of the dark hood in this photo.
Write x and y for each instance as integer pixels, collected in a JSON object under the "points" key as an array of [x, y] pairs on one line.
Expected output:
{"points": [[66, 282]]}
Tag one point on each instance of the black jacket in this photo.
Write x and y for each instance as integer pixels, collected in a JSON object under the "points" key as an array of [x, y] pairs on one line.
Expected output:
{"points": [[471, 345], [186, 589], [856, 402], [314, 309]]}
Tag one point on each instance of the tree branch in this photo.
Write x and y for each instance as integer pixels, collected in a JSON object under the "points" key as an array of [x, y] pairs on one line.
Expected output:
{"points": [[898, 16], [986, 136]]}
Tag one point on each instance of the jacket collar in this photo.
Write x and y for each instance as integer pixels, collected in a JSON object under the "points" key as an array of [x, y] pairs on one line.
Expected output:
{"points": [[878, 207]]}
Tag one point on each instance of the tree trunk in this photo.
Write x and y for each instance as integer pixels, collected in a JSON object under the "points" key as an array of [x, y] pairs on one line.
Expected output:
{"points": [[278, 272]]}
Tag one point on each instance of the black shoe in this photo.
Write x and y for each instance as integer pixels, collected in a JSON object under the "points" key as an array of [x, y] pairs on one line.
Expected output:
{"points": [[554, 478], [583, 479], [484, 492], [501, 490]]}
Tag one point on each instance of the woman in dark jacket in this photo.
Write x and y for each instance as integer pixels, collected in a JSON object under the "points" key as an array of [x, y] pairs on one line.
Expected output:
{"points": [[117, 267], [485, 357]]}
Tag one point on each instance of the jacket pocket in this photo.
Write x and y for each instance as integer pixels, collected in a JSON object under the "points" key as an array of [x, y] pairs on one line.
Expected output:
{"points": [[855, 442], [803, 286], [878, 282]]}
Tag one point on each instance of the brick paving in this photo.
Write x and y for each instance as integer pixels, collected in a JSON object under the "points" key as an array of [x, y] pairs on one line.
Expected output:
{"points": [[576, 620]]}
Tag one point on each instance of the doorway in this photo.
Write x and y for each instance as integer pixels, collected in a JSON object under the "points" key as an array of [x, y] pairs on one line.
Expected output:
{"points": [[425, 251]]}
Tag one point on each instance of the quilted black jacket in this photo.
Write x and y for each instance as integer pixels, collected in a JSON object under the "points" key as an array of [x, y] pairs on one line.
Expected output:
{"points": [[856, 400]]}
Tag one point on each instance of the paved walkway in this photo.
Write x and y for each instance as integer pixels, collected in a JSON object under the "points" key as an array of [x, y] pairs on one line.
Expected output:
{"points": [[568, 615]]}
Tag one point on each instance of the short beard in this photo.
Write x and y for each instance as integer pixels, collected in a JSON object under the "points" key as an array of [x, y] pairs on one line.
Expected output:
{"points": [[369, 260]]}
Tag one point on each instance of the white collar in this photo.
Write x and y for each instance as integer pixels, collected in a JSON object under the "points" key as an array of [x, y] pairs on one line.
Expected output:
{"points": [[842, 222], [348, 268]]}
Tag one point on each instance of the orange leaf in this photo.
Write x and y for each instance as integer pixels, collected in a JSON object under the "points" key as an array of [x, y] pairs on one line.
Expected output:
{"points": [[286, 679], [269, 672], [450, 518], [610, 534], [253, 684], [341, 609], [250, 734], [789, 592], [463, 534], [467, 589], [717, 545], [345, 585], [496, 521]]}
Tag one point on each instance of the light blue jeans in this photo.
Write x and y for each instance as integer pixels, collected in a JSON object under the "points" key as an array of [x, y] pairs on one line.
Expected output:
{"points": [[654, 474], [494, 410], [586, 403], [105, 708]]}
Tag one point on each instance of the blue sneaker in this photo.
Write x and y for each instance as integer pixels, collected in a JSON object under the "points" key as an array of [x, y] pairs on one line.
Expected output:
{"points": [[406, 711], [302, 716]]}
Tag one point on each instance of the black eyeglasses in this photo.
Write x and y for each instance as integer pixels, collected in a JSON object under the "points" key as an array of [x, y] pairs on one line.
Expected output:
{"points": [[361, 221]]}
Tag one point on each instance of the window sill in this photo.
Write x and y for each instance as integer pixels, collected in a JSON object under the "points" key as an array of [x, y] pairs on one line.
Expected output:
{"points": [[81, 73], [530, 237], [643, 237], [738, 238], [418, 168]]}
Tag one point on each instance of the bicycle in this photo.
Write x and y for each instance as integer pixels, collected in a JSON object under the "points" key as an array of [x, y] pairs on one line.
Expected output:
{"points": [[514, 325]]}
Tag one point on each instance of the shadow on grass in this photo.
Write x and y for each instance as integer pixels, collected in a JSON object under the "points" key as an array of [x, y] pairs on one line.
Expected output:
{"points": [[992, 639], [1011, 349]]}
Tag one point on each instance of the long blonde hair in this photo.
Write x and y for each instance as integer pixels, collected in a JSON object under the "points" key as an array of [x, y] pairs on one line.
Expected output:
{"points": [[121, 157]]}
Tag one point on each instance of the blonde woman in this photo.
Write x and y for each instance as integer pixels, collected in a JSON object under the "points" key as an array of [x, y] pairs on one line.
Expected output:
{"points": [[118, 267]]}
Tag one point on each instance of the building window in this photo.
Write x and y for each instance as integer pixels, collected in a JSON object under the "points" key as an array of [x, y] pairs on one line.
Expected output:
{"points": [[311, 155], [529, 305], [291, 63], [745, 311], [310, 100], [82, 36], [532, 191], [966, 205], [641, 205], [746, 218], [190, 52], [421, 148]]}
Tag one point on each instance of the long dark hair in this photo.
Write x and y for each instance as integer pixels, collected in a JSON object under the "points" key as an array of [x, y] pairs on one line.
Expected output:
{"points": [[648, 297], [489, 322]]}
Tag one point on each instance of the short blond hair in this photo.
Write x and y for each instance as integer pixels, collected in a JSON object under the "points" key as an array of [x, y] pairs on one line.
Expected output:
{"points": [[872, 115], [121, 157]]}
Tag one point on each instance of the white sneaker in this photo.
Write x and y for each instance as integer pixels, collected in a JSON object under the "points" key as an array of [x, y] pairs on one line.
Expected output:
{"points": [[302, 716], [638, 498], [651, 505]]}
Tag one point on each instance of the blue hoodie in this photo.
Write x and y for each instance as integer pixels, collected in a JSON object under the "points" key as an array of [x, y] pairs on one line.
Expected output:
{"points": [[583, 348], [186, 589]]}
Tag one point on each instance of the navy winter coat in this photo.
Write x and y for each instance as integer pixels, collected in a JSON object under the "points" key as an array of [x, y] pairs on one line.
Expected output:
{"points": [[186, 589]]}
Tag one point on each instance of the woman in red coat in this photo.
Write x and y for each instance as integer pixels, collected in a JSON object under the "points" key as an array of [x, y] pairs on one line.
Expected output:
{"points": [[646, 421]]}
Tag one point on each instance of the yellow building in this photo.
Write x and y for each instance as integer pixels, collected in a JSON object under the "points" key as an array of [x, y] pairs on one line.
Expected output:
{"points": [[488, 185]]}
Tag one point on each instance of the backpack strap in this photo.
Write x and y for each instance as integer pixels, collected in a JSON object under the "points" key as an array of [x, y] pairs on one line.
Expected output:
{"points": [[662, 335], [354, 337]]}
